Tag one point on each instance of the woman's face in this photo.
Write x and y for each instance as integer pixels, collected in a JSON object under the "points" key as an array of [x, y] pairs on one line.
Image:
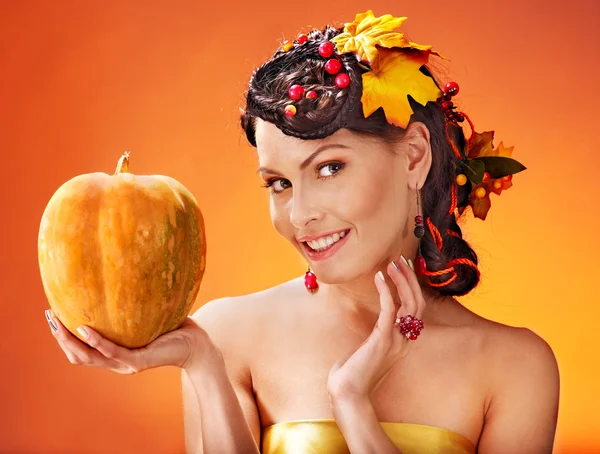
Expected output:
{"points": [[342, 201]]}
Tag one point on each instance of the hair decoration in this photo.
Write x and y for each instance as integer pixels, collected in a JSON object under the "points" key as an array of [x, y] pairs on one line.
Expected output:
{"points": [[392, 73]]}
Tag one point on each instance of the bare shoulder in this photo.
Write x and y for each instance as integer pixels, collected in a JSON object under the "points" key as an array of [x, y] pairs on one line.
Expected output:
{"points": [[521, 370], [239, 323], [516, 348]]}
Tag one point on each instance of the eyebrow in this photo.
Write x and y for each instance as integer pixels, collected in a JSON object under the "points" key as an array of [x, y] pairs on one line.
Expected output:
{"points": [[308, 160]]}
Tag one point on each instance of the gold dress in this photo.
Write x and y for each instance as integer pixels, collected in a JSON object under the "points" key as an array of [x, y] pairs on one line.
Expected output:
{"points": [[324, 436]]}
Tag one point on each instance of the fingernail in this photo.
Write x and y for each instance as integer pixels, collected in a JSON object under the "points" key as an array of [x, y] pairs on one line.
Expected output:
{"points": [[410, 263], [81, 330], [380, 274], [50, 322], [395, 265], [402, 257]]}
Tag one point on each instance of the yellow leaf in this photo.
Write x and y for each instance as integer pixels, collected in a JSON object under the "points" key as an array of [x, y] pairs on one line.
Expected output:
{"points": [[398, 76], [503, 151], [367, 31]]}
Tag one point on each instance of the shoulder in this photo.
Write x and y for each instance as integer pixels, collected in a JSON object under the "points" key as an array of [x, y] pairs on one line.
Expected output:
{"points": [[521, 366], [518, 348], [235, 322]]}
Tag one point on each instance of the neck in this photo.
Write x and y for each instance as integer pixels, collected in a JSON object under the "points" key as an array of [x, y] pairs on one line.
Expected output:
{"points": [[358, 301]]}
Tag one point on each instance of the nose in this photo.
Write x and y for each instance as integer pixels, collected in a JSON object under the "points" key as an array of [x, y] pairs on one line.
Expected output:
{"points": [[305, 209]]}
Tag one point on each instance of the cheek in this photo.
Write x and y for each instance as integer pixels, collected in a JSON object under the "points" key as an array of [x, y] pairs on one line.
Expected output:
{"points": [[368, 198], [280, 218]]}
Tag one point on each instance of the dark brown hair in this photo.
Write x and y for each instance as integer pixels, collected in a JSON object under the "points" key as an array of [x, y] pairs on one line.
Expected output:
{"points": [[442, 246]]}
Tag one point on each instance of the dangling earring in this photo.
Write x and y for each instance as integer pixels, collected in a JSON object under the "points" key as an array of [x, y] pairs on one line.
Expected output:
{"points": [[420, 265], [310, 281]]}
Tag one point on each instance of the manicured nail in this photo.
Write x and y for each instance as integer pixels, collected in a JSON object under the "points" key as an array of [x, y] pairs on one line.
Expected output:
{"points": [[402, 257], [410, 263], [380, 274], [395, 265], [50, 322], [81, 330]]}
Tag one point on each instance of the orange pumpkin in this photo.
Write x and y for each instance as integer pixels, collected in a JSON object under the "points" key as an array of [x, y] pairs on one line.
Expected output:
{"points": [[123, 254]]}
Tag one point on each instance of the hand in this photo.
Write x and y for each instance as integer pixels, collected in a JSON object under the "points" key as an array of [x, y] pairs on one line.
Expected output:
{"points": [[175, 348], [357, 375]]}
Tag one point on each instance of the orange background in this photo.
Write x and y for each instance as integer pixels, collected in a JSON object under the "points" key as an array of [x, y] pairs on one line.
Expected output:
{"points": [[83, 81]]}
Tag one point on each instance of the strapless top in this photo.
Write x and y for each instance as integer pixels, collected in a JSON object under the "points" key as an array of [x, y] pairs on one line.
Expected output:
{"points": [[324, 436]]}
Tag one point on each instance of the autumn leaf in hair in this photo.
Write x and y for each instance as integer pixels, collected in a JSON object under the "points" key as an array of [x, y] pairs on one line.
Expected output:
{"points": [[397, 77], [490, 170], [367, 32]]}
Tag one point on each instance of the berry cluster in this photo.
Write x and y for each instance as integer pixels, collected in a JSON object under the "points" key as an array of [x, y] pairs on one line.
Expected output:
{"points": [[333, 66], [445, 101]]}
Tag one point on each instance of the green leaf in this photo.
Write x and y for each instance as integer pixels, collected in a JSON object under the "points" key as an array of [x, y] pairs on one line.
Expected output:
{"points": [[474, 170], [500, 166]]}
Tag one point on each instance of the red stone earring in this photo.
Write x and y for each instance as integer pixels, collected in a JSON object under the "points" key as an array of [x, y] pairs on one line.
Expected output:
{"points": [[310, 281]]}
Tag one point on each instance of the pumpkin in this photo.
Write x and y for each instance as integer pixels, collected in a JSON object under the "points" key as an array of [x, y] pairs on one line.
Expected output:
{"points": [[123, 254]]}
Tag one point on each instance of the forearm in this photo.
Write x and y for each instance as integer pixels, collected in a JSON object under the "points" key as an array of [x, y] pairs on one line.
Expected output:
{"points": [[358, 422], [223, 425]]}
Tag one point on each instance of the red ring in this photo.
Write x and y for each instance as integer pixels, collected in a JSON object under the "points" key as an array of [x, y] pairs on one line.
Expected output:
{"points": [[411, 327]]}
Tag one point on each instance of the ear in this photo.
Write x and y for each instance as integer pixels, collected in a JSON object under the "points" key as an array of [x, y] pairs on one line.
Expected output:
{"points": [[418, 154]]}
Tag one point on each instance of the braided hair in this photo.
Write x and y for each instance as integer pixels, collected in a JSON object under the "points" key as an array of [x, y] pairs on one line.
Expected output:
{"points": [[451, 262]]}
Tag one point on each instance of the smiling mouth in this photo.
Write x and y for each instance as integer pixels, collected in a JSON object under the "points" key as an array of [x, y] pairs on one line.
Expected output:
{"points": [[324, 243]]}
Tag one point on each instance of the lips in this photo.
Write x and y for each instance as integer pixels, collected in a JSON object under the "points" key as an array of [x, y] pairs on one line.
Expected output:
{"points": [[328, 251]]}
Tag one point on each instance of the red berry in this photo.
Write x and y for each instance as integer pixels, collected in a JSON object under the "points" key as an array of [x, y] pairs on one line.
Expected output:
{"points": [[342, 80], [296, 92], [302, 39], [420, 266], [326, 49], [486, 176], [419, 219], [333, 66], [507, 178], [451, 88], [311, 94]]}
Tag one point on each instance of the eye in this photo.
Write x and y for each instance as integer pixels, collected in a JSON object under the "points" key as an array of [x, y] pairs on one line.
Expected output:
{"points": [[330, 169], [277, 185]]}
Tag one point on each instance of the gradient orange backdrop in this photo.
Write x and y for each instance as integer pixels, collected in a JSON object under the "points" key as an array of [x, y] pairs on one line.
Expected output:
{"points": [[83, 81]]}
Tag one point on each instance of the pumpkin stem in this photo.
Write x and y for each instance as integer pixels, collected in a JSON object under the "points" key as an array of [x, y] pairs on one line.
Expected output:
{"points": [[123, 164]]}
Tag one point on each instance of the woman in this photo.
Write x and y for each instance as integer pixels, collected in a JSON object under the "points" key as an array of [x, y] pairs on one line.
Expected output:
{"points": [[367, 163]]}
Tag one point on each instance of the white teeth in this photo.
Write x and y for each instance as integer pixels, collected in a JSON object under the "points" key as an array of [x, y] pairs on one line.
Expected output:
{"points": [[325, 242]]}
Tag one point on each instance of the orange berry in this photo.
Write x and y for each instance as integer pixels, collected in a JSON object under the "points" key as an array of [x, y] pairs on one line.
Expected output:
{"points": [[497, 184], [290, 110], [287, 46], [480, 192], [507, 178], [461, 179]]}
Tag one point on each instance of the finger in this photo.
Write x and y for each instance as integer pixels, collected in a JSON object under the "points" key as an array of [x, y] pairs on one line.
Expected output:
{"points": [[411, 277], [409, 304], [110, 350], [387, 313], [68, 353], [75, 350]]}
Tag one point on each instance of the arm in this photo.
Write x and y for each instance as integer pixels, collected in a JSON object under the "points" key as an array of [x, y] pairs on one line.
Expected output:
{"points": [[358, 422], [219, 385], [522, 414]]}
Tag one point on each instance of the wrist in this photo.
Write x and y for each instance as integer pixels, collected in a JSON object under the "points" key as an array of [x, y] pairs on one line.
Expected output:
{"points": [[347, 403], [203, 353]]}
